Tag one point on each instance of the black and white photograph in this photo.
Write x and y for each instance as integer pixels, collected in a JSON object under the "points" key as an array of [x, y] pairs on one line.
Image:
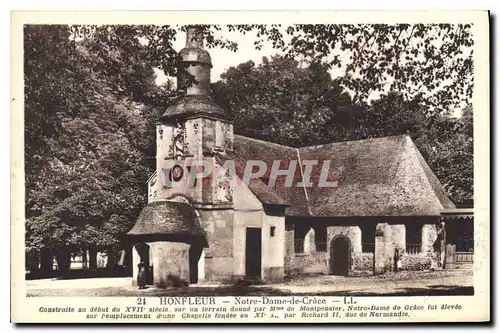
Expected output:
{"points": [[250, 160]]}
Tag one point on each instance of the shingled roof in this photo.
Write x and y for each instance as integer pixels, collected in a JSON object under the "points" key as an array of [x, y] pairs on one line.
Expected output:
{"points": [[252, 149], [162, 219], [375, 177]]}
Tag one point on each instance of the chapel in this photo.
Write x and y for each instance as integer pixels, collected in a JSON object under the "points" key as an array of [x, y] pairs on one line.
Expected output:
{"points": [[383, 198]]}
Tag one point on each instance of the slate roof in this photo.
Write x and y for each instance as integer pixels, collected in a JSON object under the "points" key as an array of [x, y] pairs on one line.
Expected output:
{"points": [[375, 177], [252, 149], [162, 218], [188, 106]]}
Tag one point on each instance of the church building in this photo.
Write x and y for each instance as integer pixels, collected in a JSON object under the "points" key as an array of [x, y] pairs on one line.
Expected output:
{"points": [[383, 201]]}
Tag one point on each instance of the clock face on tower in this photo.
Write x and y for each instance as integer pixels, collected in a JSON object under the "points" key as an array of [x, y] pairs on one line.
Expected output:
{"points": [[176, 173]]}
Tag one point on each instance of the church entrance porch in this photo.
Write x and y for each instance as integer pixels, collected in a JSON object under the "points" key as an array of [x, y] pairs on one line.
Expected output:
{"points": [[253, 253], [340, 256]]}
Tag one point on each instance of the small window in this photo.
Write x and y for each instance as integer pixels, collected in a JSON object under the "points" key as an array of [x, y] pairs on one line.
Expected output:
{"points": [[273, 229]]}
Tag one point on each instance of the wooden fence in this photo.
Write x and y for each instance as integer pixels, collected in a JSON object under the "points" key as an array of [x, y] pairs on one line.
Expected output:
{"points": [[464, 256]]}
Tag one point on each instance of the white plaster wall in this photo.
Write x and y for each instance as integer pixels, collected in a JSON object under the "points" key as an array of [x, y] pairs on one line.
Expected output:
{"points": [[273, 248], [164, 135], [243, 198], [247, 213], [398, 236]]}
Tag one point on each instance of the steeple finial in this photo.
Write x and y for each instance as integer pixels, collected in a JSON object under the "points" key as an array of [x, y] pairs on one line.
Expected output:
{"points": [[194, 37]]}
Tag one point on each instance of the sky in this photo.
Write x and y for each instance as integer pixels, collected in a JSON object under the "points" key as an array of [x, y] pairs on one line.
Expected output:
{"points": [[223, 59]]}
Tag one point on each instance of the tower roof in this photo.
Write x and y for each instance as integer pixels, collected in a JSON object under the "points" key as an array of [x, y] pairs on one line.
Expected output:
{"points": [[196, 105], [166, 220], [193, 82]]}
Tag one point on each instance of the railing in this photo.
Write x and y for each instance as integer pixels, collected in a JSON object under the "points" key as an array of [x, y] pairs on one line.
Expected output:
{"points": [[298, 246], [464, 256], [151, 187], [413, 248]]}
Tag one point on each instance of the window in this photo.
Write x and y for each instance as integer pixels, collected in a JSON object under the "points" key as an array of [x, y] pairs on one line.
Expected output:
{"points": [[273, 229]]}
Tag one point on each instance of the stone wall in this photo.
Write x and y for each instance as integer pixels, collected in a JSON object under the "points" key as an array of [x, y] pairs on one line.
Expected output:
{"points": [[311, 263], [218, 226], [363, 262], [351, 232], [170, 263], [416, 262], [429, 236]]}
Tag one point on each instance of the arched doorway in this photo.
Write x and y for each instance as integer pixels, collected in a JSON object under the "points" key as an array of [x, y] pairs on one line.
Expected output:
{"points": [[340, 256]]}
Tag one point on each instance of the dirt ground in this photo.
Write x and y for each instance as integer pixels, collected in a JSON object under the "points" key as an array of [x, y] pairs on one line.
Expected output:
{"points": [[451, 282]]}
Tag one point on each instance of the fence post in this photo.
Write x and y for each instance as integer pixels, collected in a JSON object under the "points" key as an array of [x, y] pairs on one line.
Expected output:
{"points": [[449, 262]]}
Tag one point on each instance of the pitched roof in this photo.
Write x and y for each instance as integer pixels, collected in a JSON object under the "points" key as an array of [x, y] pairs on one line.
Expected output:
{"points": [[252, 149], [375, 177]]}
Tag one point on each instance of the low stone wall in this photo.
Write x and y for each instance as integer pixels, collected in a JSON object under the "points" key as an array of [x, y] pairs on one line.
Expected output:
{"points": [[310, 263], [416, 262], [362, 262]]}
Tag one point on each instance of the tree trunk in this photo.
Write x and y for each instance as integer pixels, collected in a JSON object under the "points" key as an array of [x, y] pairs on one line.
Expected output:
{"points": [[92, 258], [85, 263], [111, 257], [46, 262], [63, 257], [32, 262]]}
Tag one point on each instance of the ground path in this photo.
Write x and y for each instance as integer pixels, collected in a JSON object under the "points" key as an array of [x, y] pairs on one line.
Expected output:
{"points": [[450, 282]]}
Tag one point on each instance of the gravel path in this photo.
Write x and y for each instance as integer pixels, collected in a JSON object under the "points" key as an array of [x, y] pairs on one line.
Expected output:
{"points": [[451, 282]]}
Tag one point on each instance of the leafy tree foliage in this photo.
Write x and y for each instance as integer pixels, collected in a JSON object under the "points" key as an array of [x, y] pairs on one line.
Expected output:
{"points": [[89, 117]]}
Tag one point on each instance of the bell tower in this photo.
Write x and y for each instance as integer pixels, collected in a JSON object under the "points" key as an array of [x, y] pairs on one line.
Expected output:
{"points": [[175, 233], [192, 131]]}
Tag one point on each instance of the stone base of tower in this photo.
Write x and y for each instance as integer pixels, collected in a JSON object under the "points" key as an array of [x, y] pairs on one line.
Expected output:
{"points": [[170, 263]]}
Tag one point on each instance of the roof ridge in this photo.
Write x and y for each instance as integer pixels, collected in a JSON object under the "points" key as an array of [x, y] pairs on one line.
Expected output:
{"points": [[354, 141], [299, 160], [263, 141], [434, 182]]}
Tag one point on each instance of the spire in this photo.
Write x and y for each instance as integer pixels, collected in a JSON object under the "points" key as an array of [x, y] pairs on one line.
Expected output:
{"points": [[194, 37], [193, 80], [194, 65]]}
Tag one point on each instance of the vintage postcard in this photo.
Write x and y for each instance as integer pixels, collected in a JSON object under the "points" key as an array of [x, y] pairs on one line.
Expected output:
{"points": [[250, 167]]}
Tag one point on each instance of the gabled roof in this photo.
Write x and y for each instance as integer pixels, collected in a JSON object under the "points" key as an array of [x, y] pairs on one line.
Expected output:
{"points": [[252, 149], [375, 177]]}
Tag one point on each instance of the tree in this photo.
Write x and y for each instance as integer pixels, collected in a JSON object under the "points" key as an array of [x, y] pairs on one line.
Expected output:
{"points": [[88, 141], [281, 101]]}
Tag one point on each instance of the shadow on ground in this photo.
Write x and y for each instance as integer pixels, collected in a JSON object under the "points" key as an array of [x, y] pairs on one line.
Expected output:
{"points": [[430, 291]]}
